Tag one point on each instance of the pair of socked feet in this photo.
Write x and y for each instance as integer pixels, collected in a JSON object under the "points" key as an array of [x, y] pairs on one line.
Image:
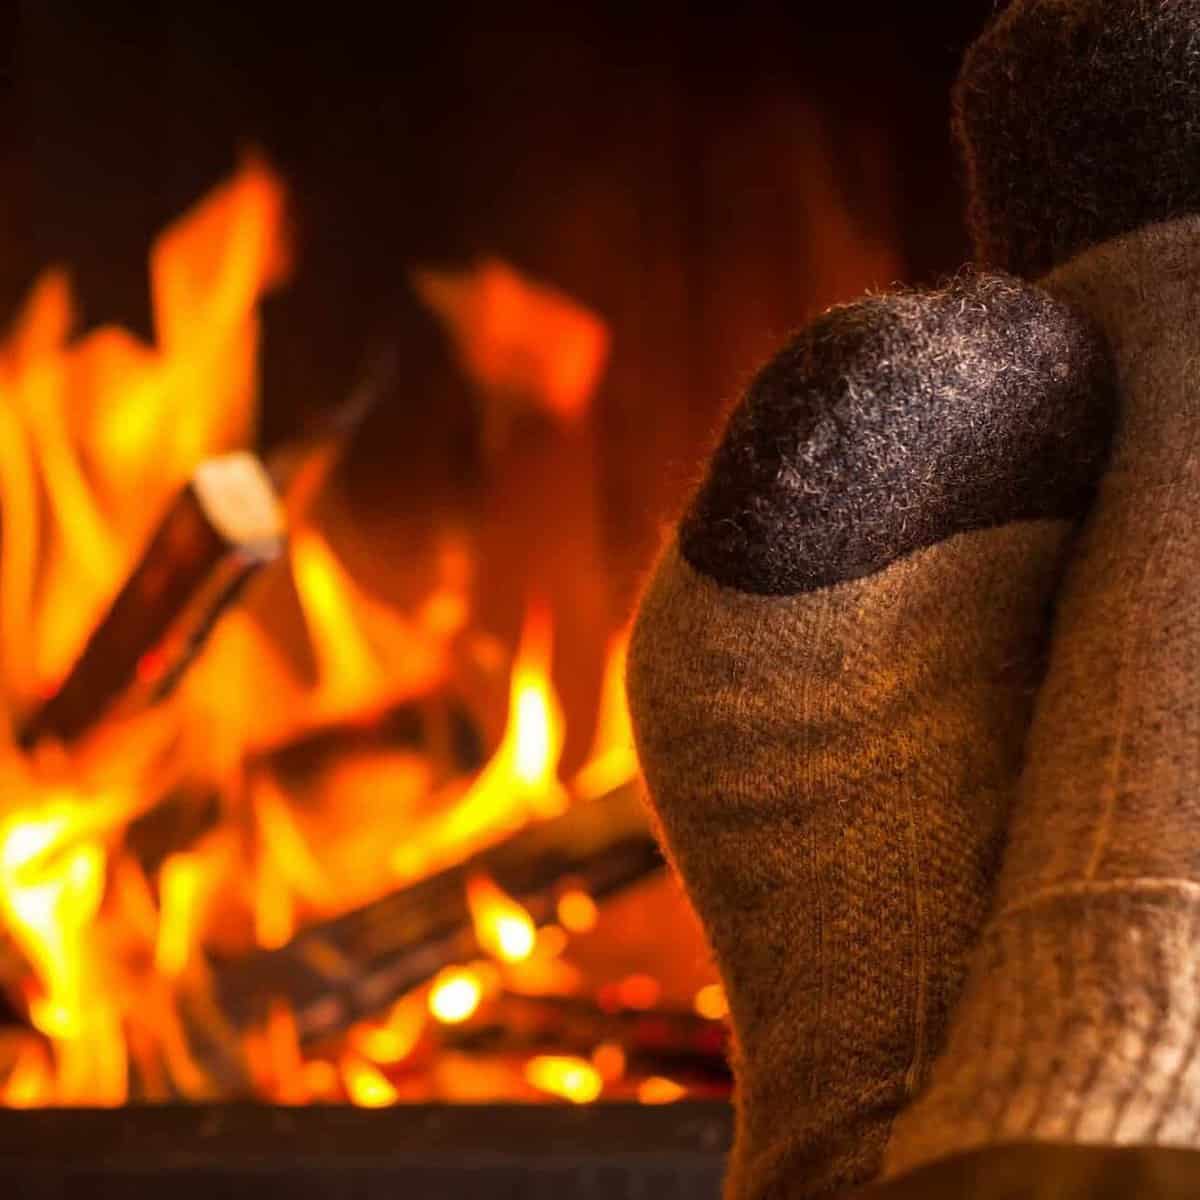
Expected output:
{"points": [[916, 683]]}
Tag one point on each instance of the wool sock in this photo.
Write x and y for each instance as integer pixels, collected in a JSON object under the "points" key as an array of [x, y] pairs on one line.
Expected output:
{"points": [[830, 677], [1081, 1020]]}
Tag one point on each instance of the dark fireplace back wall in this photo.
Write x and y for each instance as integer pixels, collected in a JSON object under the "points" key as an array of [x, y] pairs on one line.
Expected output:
{"points": [[650, 164]]}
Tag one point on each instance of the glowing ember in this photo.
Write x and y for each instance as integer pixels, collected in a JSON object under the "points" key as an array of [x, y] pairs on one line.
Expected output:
{"points": [[657, 1090], [638, 991], [455, 995], [577, 911], [609, 1059], [711, 1003], [573, 1079], [366, 1085], [392, 1040], [503, 927]]}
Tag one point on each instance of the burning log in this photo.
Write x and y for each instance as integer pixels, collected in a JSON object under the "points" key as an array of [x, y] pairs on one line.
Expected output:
{"points": [[219, 531], [437, 727], [655, 1041], [352, 967]]}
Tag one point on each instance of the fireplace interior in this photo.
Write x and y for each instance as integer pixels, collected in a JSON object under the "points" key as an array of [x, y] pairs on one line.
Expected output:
{"points": [[351, 376]]}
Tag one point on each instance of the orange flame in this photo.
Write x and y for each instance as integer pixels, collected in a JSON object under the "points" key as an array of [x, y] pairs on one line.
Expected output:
{"points": [[518, 338], [30, 1083]]}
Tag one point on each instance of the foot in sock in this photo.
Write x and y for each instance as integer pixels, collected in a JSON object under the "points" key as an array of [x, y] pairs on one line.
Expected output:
{"points": [[831, 676], [1080, 1022]]}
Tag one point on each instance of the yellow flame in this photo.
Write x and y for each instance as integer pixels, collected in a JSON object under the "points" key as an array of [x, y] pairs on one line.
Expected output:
{"points": [[294, 860], [50, 888], [346, 664], [519, 782], [179, 883], [366, 652], [504, 929], [52, 877], [573, 1079], [613, 759], [536, 728], [455, 995]]}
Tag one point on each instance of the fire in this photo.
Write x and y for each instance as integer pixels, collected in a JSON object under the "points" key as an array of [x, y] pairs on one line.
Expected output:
{"points": [[520, 781], [503, 927], [613, 759], [30, 1083], [346, 665], [52, 872], [113, 931], [573, 1079], [537, 728], [519, 338], [179, 885]]}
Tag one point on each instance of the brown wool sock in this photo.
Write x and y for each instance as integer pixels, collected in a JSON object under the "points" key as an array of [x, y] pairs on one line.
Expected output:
{"points": [[830, 678], [1081, 1019]]}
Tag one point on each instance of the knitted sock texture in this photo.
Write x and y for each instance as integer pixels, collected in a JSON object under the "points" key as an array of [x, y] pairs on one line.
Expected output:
{"points": [[1079, 121], [1081, 1018], [830, 677]]}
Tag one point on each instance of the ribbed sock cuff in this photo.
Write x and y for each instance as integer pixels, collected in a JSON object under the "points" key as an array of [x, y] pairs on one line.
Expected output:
{"points": [[1080, 1024]]}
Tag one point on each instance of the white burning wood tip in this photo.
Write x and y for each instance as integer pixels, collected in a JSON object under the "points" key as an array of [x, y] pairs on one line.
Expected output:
{"points": [[241, 503]]}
